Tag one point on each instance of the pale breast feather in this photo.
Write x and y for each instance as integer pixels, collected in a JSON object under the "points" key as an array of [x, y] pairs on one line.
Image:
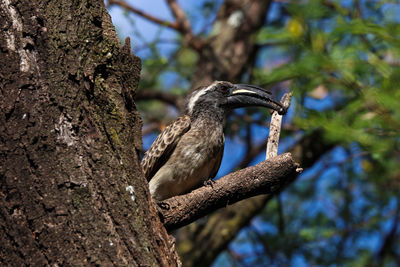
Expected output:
{"points": [[163, 146]]}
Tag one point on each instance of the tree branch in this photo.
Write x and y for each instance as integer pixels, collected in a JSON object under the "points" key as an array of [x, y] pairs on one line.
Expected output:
{"points": [[184, 26], [200, 243], [267, 177], [181, 19], [149, 94], [121, 3], [181, 25]]}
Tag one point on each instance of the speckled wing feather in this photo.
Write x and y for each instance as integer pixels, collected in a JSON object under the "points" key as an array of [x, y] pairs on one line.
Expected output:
{"points": [[163, 146], [218, 160]]}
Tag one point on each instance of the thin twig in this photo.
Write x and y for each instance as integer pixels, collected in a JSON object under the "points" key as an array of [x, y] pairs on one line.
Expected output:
{"points": [[275, 128]]}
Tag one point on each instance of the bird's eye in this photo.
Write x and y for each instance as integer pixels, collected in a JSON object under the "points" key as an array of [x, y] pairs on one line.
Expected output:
{"points": [[224, 89]]}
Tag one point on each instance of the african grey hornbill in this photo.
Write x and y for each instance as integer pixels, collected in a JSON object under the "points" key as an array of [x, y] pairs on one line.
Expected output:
{"points": [[189, 151]]}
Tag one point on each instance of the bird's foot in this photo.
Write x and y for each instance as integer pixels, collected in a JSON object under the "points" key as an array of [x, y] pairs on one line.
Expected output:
{"points": [[209, 182], [160, 207], [163, 205]]}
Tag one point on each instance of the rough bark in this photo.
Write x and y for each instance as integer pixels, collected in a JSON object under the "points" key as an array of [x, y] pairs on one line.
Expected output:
{"points": [[71, 192]]}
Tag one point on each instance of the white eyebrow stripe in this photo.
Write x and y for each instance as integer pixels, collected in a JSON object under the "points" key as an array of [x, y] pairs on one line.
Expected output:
{"points": [[196, 97]]}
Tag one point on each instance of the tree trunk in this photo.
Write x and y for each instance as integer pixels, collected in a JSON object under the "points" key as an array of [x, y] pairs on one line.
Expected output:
{"points": [[72, 191]]}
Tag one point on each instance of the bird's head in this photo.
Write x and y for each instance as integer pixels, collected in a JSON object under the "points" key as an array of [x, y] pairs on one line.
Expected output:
{"points": [[221, 96]]}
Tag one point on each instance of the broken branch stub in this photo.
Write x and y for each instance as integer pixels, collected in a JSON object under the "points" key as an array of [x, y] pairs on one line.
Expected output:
{"points": [[275, 128]]}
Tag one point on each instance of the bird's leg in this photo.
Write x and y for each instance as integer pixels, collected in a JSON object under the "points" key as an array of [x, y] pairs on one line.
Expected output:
{"points": [[209, 182]]}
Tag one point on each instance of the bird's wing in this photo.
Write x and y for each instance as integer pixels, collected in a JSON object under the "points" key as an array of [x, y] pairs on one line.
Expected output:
{"points": [[218, 160], [163, 146]]}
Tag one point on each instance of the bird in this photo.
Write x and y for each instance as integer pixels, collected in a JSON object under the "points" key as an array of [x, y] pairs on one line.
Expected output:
{"points": [[189, 151]]}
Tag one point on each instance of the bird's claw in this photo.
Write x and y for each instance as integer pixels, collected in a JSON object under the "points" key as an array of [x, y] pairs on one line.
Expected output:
{"points": [[209, 182], [160, 207], [163, 205]]}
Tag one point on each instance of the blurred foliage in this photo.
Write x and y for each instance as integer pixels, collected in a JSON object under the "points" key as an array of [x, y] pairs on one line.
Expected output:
{"points": [[342, 61], [342, 211]]}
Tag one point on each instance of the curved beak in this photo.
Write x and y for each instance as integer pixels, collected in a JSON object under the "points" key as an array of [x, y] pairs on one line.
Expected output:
{"points": [[245, 95]]}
